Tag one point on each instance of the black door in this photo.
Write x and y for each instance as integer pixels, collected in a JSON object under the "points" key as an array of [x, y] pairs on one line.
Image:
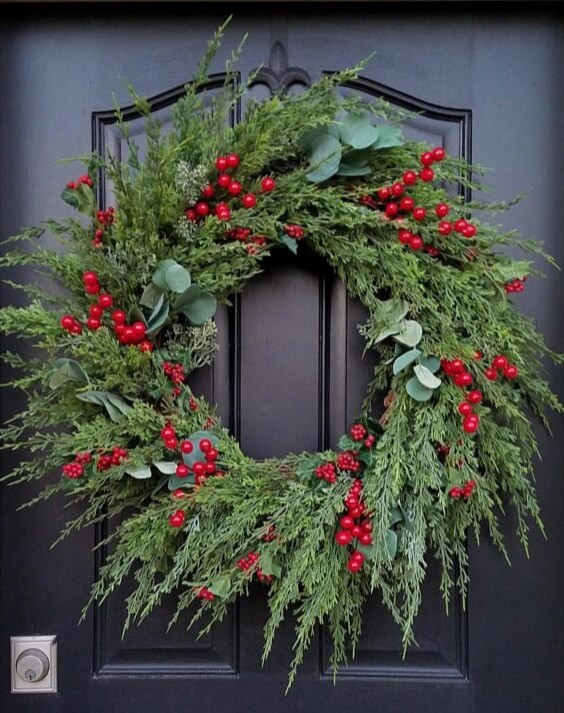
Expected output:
{"points": [[482, 83]]}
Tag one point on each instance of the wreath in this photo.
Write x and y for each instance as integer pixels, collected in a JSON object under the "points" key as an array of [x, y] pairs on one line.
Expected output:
{"points": [[108, 398]]}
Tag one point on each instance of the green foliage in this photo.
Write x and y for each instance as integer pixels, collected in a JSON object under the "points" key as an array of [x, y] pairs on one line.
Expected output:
{"points": [[86, 391]]}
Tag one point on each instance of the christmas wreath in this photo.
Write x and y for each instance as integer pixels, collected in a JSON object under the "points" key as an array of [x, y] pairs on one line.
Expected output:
{"points": [[108, 399]]}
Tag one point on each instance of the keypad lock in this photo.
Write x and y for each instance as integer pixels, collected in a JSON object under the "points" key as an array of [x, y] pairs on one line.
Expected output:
{"points": [[34, 664]]}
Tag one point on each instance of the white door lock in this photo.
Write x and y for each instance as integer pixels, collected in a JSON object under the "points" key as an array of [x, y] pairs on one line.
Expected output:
{"points": [[34, 664]]}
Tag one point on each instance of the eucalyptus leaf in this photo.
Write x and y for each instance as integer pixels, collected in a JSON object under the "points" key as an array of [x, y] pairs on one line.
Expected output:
{"points": [[324, 159], [394, 310], [151, 295], [290, 243], [346, 443], [369, 551], [177, 278], [195, 304], [168, 467], [405, 360], [269, 565], [417, 391], [159, 276], [67, 370], [220, 587], [431, 363], [175, 482], [357, 131], [385, 334], [159, 315], [141, 473], [395, 516], [388, 136], [410, 333], [310, 139], [426, 377], [115, 405], [390, 544], [348, 170]]}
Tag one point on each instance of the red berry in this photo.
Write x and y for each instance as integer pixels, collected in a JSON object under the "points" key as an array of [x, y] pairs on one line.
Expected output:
{"points": [[343, 537], [139, 330], [491, 374], [208, 191], [177, 519], [396, 189], [211, 455], [221, 163], [356, 531], [268, 184], [455, 493], [171, 443], [409, 178], [419, 213], [465, 409], [456, 366], [202, 208], [404, 236], [95, 311], [392, 209], [191, 215], [235, 188], [439, 153], [233, 160], [105, 300], [416, 242], [471, 423], [119, 316], [463, 379], [427, 174], [205, 444], [249, 200], [67, 321], [445, 228], [146, 346], [178, 494], [199, 468], [72, 185], [181, 470], [384, 193], [366, 526], [346, 522], [474, 397], [186, 447], [224, 180], [469, 231], [93, 323], [365, 538], [427, 158], [89, 277], [407, 204], [459, 225], [92, 288], [511, 371], [500, 362], [441, 209]]}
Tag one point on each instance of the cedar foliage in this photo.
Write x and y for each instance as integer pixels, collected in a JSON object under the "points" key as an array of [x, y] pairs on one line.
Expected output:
{"points": [[458, 299]]}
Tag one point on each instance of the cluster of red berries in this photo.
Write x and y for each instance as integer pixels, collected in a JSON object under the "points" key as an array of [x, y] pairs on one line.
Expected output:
{"points": [[85, 179], [465, 491], [200, 469], [109, 460], [347, 461], [326, 472], [294, 231], [254, 242], [204, 593], [250, 560], [516, 285], [177, 519], [70, 324], [270, 534], [359, 433], [501, 364], [105, 219], [176, 374], [130, 334], [227, 183], [75, 469], [355, 526], [456, 369]]}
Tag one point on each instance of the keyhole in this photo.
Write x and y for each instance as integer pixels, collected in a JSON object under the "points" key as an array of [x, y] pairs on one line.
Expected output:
{"points": [[30, 675]]}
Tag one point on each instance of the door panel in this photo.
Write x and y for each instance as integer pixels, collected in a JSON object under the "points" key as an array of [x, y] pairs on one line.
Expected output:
{"points": [[289, 374]]}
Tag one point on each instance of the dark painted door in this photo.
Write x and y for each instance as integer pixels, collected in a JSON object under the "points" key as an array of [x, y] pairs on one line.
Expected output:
{"points": [[486, 83]]}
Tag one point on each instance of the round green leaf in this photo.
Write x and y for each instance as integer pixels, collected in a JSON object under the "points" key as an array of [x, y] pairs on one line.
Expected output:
{"points": [[177, 278], [198, 306], [432, 363], [417, 391], [159, 276], [426, 377], [410, 333], [325, 159], [388, 136], [141, 473], [357, 131], [405, 359]]}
